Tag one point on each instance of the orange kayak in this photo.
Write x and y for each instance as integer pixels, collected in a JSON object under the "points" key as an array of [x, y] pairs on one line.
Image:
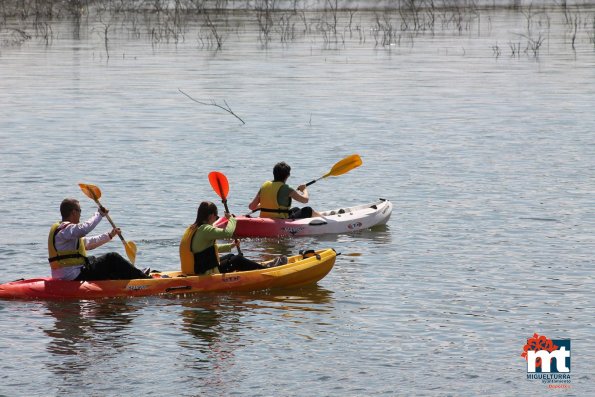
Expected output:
{"points": [[298, 271]]}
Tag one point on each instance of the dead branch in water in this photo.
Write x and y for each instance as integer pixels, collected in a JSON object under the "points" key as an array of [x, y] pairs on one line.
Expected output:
{"points": [[213, 103]]}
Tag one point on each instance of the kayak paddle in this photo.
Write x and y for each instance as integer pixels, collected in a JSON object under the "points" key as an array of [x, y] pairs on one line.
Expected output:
{"points": [[220, 185], [342, 167], [94, 193]]}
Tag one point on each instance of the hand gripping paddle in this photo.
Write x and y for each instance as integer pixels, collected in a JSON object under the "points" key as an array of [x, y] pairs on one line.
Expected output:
{"points": [[94, 193], [220, 185]]}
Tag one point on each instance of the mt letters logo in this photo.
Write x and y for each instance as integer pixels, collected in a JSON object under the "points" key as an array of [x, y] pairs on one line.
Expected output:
{"points": [[548, 360]]}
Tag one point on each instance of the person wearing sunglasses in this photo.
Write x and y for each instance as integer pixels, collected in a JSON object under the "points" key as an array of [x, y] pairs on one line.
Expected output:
{"points": [[68, 244]]}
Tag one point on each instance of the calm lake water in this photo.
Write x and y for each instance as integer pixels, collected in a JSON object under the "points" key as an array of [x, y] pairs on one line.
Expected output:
{"points": [[484, 144]]}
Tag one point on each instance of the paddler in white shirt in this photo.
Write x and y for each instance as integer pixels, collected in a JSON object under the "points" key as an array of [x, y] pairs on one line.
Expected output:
{"points": [[68, 244]]}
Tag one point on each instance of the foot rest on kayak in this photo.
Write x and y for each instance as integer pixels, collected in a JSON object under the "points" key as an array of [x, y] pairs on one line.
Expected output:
{"points": [[278, 261]]}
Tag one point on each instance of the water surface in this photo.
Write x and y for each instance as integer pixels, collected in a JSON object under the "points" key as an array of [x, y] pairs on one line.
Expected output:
{"points": [[488, 156]]}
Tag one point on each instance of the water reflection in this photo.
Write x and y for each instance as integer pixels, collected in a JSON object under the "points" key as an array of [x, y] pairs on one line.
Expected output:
{"points": [[310, 298], [223, 328], [264, 249], [216, 322], [83, 328], [213, 323], [202, 318], [212, 318], [352, 244]]}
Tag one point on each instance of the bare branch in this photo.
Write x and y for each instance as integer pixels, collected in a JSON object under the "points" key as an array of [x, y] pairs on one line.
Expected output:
{"points": [[213, 103]]}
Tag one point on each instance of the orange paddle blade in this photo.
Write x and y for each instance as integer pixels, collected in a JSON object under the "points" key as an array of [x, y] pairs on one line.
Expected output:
{"points": [[91, 191], [345, 165], [219, 184]]}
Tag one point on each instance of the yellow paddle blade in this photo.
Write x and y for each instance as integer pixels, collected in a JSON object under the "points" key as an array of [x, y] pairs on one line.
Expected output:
{"points": [[131, 251], [345, 165], [91, 191]]}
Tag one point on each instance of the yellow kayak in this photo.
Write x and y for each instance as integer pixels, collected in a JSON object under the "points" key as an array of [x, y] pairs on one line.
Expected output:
{"points": [[298, 271]]}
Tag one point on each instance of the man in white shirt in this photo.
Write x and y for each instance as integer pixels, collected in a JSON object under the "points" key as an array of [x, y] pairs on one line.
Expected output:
{"points": [[68, 244]]}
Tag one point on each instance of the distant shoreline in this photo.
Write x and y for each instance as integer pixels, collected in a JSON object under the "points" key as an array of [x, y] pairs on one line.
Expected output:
{"points": [[60, 9]]}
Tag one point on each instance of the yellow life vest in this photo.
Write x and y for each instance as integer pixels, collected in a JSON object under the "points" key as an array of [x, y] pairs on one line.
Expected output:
{"points": [[67, 258], [269, 203], [188, 259]]}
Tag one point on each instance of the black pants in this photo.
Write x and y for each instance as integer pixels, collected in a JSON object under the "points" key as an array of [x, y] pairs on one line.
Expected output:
{"points": [[237, 263], [300, 213], [111, 266]]}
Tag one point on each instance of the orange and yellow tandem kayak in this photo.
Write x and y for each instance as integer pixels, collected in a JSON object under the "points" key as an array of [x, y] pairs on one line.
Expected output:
{"points": [[298, 271]]}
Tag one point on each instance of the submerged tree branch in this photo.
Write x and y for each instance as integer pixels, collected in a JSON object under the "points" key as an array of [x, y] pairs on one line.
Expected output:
{"points": [[213, 103]]}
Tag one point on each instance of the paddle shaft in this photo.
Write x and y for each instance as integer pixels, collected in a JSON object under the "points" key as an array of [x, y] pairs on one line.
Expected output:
{"points": [[313, 182], [224, 201], [109, 218], [94, 193]]}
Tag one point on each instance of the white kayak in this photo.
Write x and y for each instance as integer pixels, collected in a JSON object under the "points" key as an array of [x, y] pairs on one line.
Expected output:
{"points": [[337, 221]]}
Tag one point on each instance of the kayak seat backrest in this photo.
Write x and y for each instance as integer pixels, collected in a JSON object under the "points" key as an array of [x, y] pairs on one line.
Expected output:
{"points": [[341, 211], [309, 253]]}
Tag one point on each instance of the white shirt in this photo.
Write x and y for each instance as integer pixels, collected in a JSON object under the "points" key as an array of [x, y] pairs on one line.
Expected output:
{"points": [[67, 239]]}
